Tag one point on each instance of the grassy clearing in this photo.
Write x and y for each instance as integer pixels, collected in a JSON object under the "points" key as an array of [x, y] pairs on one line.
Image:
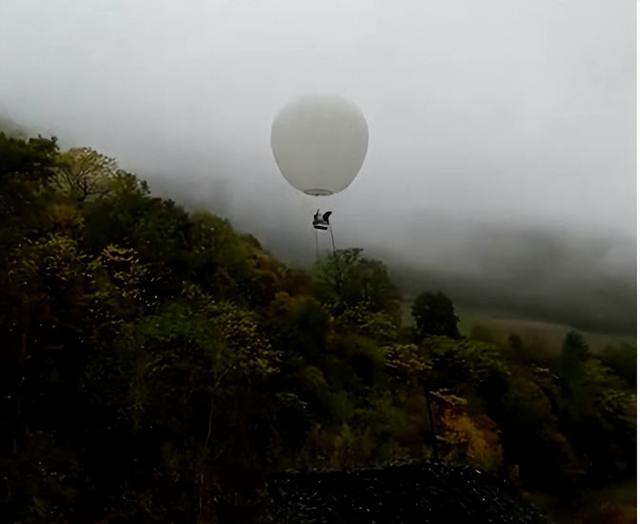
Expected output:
{"points": [[546, 335]]}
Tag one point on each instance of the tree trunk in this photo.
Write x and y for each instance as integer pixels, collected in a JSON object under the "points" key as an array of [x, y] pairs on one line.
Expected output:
{"points": [[203, 466], [432, 428]]}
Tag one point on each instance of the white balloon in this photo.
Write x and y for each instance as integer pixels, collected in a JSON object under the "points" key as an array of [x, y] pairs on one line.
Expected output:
{"points": [[319, 143]]}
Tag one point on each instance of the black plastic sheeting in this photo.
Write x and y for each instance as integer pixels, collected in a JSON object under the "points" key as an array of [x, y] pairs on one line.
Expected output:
{"points": [[432, 492]]}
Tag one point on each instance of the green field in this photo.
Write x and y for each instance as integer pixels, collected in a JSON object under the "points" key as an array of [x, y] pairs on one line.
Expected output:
{"points": [[546, 335]]}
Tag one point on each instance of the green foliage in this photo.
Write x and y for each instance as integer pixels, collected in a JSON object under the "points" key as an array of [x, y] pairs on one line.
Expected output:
{"points": [[474, 440], [405, 362], [434, 315], [531, 436], [621, 360], [82, 174], [26, 167], [477, 365], [28, 159], [156, 364], [377, 325], [345, 279], [299, 327], [574, 353]]}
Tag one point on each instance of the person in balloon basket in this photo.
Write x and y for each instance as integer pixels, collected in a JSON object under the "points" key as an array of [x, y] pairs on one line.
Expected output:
{"points": [[321, 221]]}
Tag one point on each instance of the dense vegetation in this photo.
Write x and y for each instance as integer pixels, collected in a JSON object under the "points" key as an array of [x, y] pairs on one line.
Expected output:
{"points": [[155, 364]]}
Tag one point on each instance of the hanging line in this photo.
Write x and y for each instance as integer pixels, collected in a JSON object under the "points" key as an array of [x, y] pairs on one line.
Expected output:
{"points": [[302, 207], [333, 243]]}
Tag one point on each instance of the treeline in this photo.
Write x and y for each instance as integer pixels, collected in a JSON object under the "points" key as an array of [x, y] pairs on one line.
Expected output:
{"points": [[156, 365]]}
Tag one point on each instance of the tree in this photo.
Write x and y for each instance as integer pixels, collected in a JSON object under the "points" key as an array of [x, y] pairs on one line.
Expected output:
{"points": [[531, 436], [598, 416], [298, 327], [474, 439], [157, 364], [345, 279], [475, 367], [621, 360], [404, 362], [192, 378], [26, 168], [434, 314], [32, 159], [332, 273], [574, 350], [83, 173]]}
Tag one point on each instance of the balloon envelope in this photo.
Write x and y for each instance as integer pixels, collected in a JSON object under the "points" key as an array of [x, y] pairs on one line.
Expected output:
{"points": [[319, 143]]}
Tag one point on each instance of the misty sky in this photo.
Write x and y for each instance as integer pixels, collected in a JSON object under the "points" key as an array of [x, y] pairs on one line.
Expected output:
{"points": [[510, 112]]}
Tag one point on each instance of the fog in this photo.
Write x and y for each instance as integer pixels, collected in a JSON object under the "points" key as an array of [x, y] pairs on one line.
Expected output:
{"points": [[501, 162]]}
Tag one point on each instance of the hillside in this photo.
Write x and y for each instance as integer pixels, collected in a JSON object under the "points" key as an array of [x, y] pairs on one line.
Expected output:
{"points": [[159, 366]]}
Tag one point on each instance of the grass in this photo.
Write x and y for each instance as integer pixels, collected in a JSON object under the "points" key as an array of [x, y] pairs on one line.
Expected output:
{"points": [[549, 336]]}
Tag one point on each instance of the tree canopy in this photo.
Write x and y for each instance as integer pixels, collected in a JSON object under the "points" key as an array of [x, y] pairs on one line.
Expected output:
{"points": [[434, 314], [157, 364]]}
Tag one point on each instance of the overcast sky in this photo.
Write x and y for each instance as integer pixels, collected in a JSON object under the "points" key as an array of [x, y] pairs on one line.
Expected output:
{"points": [[515, 112]]}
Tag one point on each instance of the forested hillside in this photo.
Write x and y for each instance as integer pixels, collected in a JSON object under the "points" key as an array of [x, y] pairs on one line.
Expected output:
{"points": [[157, 365]]}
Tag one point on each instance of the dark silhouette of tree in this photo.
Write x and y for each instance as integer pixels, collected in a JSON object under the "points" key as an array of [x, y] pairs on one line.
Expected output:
{"points": [[574, 354], [435, 315]]}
